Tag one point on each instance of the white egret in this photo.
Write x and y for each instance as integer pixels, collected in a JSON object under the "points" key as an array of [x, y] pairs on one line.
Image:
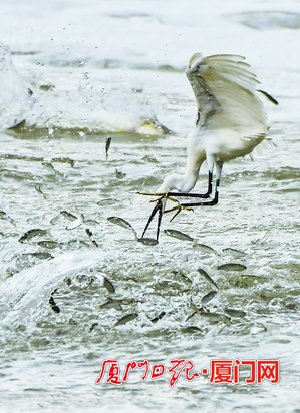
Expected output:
{"points": [[230, 122]]}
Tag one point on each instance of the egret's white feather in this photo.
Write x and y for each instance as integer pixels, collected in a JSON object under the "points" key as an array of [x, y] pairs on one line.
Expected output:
{"points": [[225, 90]]}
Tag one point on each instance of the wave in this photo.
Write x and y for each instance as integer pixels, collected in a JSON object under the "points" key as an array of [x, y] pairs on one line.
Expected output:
{"points": [[77, 102]]}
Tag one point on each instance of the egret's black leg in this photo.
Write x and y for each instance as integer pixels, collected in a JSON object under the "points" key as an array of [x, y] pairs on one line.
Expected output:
{"points": [[157, 208], [195, 195], [214, 201], [160, 209], [160, 215]]}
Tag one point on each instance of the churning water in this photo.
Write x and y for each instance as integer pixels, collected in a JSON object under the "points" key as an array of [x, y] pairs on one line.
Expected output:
{"points": [[74, 73]]}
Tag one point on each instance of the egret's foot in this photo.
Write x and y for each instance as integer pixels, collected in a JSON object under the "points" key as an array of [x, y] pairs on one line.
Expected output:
{"points": [[179, 208], [152, 193], [159, 209], [161, 196]]}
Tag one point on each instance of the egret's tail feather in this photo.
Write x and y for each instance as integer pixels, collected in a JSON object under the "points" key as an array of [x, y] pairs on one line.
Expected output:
{"points": [[270, 97]]}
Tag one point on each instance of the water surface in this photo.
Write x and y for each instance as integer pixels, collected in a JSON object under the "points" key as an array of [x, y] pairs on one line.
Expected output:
{"points": [[99, 69]]}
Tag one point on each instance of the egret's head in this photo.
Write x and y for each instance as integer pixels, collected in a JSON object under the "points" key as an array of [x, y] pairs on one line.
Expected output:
{"points": [[171, 182], [194, 62]]}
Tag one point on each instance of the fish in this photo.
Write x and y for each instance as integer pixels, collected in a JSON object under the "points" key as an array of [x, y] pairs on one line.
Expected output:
{"points": [[81, 278], [235, 313], [192, 329], [46, 87], [32, 233], [72, 322], [93, 326], [91, 222], [49, 244], [55, 220], [119, 174], [212, 315], [107, 144], [179, 235], [168, 284], [208, 297], [77, 243], [186, 279], [53, 305], [110, 303], [204, 248], [49, 166], [95, 243], [148, 241], [63, 160], [122, 223], [5, 217], [89, 234], [68, 215], [2, 215], [125, 319], [235, 253], [183, 276], [75, 224], [259, 278], [108, 285], [232, 267], [107, 202], [192, 315], [42, 255], [207, 277], [39, 189], [159, 317], [38, 254]]}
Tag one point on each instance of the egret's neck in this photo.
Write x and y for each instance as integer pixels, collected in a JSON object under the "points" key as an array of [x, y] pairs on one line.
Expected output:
{"points": [[180, 183]]}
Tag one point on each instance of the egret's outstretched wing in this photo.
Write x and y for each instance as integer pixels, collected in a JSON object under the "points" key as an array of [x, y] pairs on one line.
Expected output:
{"points": [[226, 93]]}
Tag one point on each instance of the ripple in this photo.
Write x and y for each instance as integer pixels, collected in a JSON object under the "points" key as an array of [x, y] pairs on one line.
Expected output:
{"points": [[265, 20]]}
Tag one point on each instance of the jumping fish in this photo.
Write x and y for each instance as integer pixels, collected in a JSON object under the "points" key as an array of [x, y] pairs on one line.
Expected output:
{"points": [[110, 303], [125, 319], [235, 253], [75, 224], [147, 241], [232, 267], [108, 285], [107, 145], [235, 313], [207, 277], [159, 317], [63, 160], [53, 305], [68, 215], [204, 248], [208, 297], [32, 233], [121, 223], [179, 235], [49, 244]]}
